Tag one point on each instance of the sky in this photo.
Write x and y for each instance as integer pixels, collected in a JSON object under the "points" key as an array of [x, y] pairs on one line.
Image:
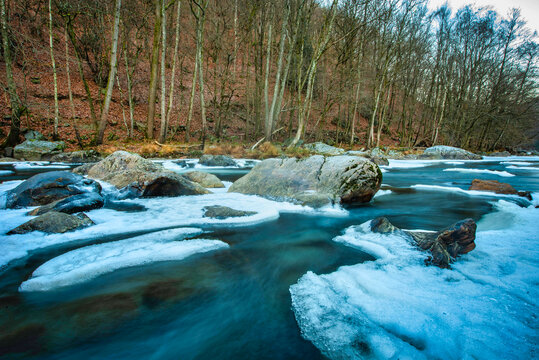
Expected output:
{"points": [[529, 8]]}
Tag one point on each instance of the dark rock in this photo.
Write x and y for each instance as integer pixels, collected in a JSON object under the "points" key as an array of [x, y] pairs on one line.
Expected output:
{"points": [[81, 156], [44, 188], [137, 176], [526, 194], [223, 212], [124, 206], [205, 179], [448, 152], [444, 246], [314, 181], [36, 150], [383, 226], [53, 222], [72, 204], [8, 152], [216, 160]]}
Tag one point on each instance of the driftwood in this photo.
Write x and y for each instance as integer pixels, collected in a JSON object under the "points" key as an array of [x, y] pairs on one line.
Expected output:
{"points": [[259, 141]]}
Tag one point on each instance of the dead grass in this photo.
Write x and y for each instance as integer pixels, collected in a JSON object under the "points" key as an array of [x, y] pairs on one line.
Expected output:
{"points": [[234, 150]]}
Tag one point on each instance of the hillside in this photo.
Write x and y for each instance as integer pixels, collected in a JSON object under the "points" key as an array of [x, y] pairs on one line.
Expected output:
{"points": [[357, 73]]}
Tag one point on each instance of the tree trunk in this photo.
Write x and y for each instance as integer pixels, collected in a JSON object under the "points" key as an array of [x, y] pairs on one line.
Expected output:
{"points": [[55, 81], [174, 61], [163, 129], [154, 68], [267, 122], [112, 74], [16, 108], [70, 93], [130, 96]]}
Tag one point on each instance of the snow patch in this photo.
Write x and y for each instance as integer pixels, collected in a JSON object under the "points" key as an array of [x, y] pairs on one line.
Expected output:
{"points": [[482, 171], [396, 307], [89, 262], [382, 193]]}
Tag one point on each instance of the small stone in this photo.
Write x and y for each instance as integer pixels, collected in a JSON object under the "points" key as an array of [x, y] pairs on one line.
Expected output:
{"points": [[223, 212], [53, 222]]}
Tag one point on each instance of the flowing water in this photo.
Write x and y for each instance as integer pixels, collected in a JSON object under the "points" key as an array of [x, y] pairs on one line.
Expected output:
{"points": [[231, 303]]}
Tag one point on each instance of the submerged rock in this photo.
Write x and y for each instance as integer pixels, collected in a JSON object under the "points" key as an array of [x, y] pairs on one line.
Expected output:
{"points": [[216, 160], [53, 222], [313, 181], [324, 149], [498, 188], [449, 152], [137, 176], [81, 156], [44, 188], [72, 204], [205, 179], [36, 150], [223, 212], [444, 246]]}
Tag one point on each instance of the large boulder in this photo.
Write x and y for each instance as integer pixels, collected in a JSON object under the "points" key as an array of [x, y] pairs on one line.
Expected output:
{"points": [[205, 179], [444, 246], [216, 160], [44, 188], [313, 181], [81, 156], [72, 204], [449, 152], [53, 222], [324, 149], [36, 150], [137, 176], [224, 212]]}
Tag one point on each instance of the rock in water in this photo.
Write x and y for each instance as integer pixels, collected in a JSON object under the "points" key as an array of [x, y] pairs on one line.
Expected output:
{"points": [[44, 188], [444, 246], [492, 185], [81, 156], [216, 160], [137, 176], [223, 212], [449, 152], [498, 188], [36, 150], [53, 222], [72, 204], [205, 179], [324, 149], [313, 181]]}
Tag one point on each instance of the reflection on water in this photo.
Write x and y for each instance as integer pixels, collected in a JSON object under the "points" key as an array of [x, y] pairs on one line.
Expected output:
{"points": [[229, 304]]}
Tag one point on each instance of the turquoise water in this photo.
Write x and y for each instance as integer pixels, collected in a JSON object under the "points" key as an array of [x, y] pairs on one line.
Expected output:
{"points": [[232, 303]]}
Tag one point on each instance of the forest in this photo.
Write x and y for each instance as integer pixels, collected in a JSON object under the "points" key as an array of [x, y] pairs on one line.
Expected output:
{"points": [[360, 73]]}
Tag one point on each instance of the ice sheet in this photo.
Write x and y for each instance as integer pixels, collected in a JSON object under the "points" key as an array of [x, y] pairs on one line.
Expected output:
{"points": [[482, 171], [89, 262], [161, 213], [396, 307]]}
